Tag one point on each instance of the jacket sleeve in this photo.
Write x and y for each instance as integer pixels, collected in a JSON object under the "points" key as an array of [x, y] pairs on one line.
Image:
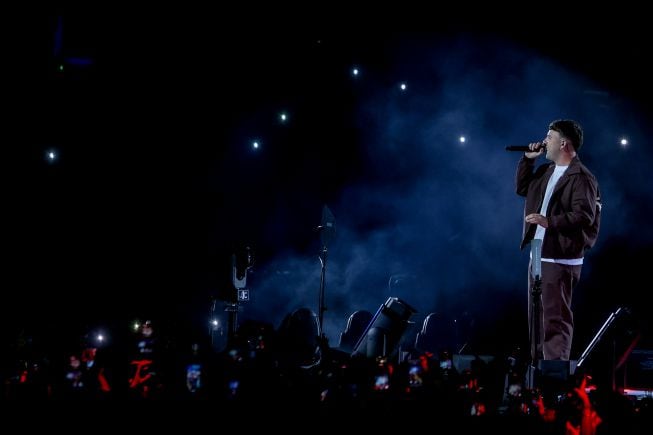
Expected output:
{"points": [[524, 175], [583, 206]]}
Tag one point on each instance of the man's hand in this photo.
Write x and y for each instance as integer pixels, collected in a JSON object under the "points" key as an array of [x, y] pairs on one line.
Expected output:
{"points": [[537, 149], [535, 218]]}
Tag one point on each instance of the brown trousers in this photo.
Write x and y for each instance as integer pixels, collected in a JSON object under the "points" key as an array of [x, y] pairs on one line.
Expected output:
{"points": [[556, 321]]}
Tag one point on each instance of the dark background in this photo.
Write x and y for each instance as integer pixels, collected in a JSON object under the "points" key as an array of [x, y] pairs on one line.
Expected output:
{"points": [[156, 184]]}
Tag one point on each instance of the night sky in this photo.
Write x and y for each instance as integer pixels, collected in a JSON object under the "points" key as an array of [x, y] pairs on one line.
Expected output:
{"points": [[155, 181]]}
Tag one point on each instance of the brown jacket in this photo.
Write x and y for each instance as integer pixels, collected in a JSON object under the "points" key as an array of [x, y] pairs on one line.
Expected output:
{"points": [[574, 211]]}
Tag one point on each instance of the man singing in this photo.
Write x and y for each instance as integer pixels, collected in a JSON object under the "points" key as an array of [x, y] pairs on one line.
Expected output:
{"points": [[563, 209]]}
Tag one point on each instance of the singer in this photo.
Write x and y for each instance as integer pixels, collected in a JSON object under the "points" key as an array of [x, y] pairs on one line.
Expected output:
{"points": [[563, 209]]}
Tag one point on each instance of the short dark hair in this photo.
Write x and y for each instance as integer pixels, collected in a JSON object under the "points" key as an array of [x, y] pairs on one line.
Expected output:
{"points": [[569, 129]]}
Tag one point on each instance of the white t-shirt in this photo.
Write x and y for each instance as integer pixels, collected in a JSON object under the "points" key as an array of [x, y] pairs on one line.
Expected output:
{"points": [[557, 173]]}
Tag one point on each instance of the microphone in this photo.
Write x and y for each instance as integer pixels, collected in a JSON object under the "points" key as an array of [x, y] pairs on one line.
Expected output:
{"points": [[524, 148]]}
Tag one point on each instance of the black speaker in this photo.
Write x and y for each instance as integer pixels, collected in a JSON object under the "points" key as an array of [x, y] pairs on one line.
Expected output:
{"points": [[552, 377], [639, 371], [466, 362], [556, 369]]}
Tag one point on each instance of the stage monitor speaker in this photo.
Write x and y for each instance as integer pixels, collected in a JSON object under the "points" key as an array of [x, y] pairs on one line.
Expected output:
{"points": [[638, 374], [552, 377], [465, 362]]}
